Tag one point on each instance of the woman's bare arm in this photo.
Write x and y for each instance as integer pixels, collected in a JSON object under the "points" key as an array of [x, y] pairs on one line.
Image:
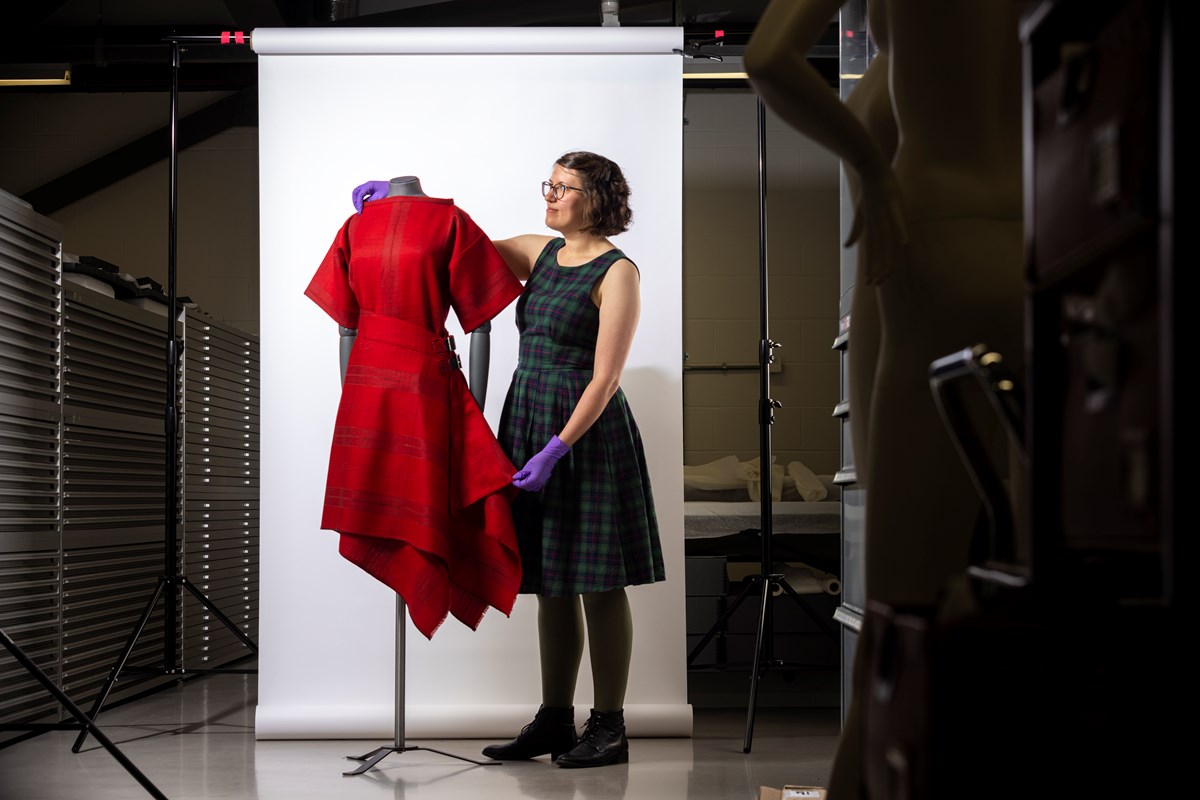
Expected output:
{"points": [[521, 252], [620, 306]]}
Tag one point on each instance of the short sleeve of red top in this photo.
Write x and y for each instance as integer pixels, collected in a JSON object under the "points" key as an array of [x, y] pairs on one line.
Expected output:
{"points": [[413, 258]]}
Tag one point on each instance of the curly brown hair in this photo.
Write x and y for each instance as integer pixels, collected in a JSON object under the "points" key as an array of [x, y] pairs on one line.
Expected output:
{"points": [[607, 192]]}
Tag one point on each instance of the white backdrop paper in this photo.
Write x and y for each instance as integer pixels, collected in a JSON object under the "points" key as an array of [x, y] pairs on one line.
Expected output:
{"points": [[480, 116]]}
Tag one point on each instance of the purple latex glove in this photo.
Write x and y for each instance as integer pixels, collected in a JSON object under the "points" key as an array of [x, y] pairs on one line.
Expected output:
{"points": [[371, 190], [533, 476]]}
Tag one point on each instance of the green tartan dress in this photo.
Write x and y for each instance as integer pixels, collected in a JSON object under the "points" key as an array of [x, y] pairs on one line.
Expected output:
{"points": [[592, 528]]}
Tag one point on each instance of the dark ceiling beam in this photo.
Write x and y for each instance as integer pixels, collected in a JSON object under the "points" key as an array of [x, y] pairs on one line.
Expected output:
{"points": [[33, 13], [236, 110], [494, 13], [119, 44], [249, 14]]}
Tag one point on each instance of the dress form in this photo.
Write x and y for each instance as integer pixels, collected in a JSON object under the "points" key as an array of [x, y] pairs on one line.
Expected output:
{"points": [[409, 185], [939, 228], [405, 185], [872, 105]]}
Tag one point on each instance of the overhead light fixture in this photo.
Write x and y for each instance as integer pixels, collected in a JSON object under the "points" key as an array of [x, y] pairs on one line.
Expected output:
{"points": [[35, 74], [727, 68], [716, 76]]}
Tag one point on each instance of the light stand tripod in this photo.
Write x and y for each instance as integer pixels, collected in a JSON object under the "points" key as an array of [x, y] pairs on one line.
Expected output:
{"points": [[82, 720], [172, 576], [766, 581]]}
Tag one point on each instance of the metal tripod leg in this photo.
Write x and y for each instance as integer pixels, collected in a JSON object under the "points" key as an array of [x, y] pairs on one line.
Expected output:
{"points": [[191, 587], [120, 665], [824, 624], [720, 623], [84, 721], [767, 582], [163, 581]]}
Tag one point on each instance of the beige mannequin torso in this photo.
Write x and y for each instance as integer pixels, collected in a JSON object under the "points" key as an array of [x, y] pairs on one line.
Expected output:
{"points": [[955, 158], [872, 105], [938, 220], [956, 282]]}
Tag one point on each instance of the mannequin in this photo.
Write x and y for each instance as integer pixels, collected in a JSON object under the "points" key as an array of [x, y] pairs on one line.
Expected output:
{"points": [[405, 185], [871, 104], [939, 228], [398, 491], [410, 185]]}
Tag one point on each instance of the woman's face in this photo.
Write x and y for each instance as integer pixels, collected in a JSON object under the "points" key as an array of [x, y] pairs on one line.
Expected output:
{"points": [[569, 213]]}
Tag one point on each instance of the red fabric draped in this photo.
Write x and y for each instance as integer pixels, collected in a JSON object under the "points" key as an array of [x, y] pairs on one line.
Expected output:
{"points": [[418, 486]]}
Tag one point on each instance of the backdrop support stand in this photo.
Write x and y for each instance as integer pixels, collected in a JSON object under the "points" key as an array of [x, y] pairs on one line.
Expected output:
{"points": [[172, 576], [766, 581]]}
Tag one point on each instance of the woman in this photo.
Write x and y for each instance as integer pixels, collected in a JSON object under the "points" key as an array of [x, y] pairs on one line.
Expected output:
{"points": [[585, 521]]}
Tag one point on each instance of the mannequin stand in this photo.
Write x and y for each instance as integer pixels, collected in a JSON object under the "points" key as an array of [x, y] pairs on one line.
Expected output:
{"points": [[480, 350], [398, 746]]}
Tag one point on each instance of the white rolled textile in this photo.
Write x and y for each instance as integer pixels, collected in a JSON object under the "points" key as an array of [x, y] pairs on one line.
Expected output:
{"points": [[805, 579]]}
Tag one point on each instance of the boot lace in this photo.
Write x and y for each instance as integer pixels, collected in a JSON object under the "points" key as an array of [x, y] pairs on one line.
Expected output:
{"points": [[594, 733]]}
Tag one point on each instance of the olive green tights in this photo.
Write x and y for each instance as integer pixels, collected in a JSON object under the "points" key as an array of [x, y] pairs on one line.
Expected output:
{"points": [[560, 643]]}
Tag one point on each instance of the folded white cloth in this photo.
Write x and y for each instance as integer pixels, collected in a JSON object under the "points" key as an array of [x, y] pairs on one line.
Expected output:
{"points": [[810, 487], [729, 473], [754, 479], [724, 473]]}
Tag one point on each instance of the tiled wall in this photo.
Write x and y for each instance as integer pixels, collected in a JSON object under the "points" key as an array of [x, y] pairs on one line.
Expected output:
{"points": [[721, 284], [43, 136]]}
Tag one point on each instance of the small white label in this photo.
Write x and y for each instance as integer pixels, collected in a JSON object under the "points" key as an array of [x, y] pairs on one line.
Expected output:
{"points": [[791, 794]]}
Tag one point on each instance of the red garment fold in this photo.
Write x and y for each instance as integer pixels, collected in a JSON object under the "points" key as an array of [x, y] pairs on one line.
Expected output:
{"points": [[418, 487]]}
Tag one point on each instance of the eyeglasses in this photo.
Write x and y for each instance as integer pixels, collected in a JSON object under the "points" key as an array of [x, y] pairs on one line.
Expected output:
{"points": [[555, 191]]}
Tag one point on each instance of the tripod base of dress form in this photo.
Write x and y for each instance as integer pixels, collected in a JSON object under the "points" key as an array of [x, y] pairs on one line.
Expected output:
{"points": [[375, 756], [398, 746]]}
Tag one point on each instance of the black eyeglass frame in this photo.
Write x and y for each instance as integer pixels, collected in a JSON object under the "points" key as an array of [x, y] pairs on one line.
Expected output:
{"points": [[559, 190]]}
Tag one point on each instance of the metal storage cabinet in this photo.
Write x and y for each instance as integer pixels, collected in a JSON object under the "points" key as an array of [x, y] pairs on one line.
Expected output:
{"points": [[83, 390], [30, 563], [114, 393], [221, 424]]}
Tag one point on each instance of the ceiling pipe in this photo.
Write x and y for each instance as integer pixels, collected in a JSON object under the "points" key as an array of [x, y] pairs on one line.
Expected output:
{"points": [[610, 11], [342, 10]]}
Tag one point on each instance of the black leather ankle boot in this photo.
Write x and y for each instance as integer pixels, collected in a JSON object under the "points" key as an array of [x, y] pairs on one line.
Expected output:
{"points": [[603, 742], [552, 731]]}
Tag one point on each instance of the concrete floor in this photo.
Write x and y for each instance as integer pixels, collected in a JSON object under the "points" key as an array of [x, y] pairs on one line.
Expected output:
{"points": [[196, 741]]}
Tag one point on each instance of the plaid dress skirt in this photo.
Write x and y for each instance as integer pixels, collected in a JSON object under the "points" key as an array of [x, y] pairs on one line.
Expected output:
{"points": [[592, 528]]}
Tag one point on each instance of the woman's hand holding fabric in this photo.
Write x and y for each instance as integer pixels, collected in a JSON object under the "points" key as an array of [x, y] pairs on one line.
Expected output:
{"points": [[533, 476], [371, 190]]}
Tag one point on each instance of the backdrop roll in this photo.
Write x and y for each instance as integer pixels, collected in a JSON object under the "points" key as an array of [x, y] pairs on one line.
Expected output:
{"points": [[479, 115]]}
